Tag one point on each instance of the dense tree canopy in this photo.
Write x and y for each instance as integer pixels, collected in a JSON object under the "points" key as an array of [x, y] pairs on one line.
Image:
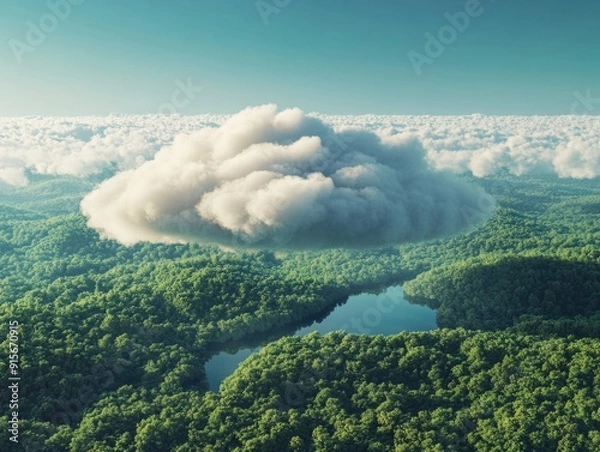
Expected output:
{"points": [[493, 292], [114, 339]]}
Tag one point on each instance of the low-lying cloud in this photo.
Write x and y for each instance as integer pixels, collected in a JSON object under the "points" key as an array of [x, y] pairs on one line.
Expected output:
{"points": [[567, 146], [283, 179], [83, 146]]}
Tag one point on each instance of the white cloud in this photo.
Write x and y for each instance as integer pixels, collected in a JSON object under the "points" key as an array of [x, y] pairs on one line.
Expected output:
{"points": [[282, 179], [87, 145], [13, 176], [568, 146], [579, 158]]}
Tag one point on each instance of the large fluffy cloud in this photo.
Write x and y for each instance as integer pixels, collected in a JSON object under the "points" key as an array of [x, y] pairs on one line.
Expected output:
{"points": [[283, 179]]}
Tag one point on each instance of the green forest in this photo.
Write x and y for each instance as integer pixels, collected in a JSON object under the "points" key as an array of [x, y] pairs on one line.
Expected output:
{"points": [[113, 339]]}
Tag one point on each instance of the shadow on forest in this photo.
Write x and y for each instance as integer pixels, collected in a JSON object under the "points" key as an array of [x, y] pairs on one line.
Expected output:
{"points": [[536, 295]]}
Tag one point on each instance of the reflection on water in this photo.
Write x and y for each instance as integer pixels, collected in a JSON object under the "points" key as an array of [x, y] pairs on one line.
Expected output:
{"points": [[385, 313]]}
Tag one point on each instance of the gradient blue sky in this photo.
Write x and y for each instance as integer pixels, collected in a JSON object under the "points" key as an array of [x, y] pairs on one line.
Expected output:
{"points": [[331, 56]]}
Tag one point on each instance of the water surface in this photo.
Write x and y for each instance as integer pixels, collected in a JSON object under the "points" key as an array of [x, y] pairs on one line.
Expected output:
{"points": [[385, 313]]}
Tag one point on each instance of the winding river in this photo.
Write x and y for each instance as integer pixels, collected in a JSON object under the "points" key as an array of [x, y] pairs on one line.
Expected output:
{"points": [[384, 313]]}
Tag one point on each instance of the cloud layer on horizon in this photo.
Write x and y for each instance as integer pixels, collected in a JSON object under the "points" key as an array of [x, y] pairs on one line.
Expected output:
{"points": [[568, 146], [83, 146], [284, 179]]}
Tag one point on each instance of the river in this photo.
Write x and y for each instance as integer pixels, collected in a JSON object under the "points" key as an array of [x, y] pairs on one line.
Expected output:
{"points": [[385, 313]]}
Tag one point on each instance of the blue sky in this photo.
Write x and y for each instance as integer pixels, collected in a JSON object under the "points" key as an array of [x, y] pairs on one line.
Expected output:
{"points": [[333, 56]]}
